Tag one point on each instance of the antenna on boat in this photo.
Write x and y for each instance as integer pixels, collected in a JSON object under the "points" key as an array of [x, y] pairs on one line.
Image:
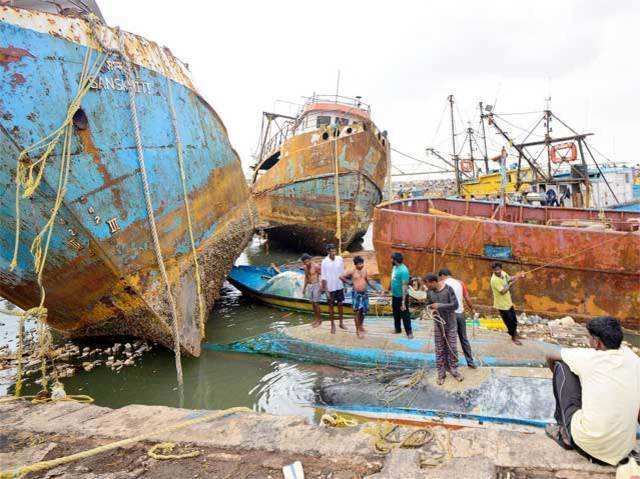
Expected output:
{"points": [[547, 136], [338, 86], [470, 133], [503, 178], [456, 160], [484, 139]]}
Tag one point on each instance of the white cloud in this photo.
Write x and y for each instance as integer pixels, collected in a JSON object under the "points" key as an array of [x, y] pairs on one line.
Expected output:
{"points": [[405, 57]]}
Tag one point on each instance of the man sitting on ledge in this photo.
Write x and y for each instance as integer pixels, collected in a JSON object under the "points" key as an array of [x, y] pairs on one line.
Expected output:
{"points": [[597, 391]]}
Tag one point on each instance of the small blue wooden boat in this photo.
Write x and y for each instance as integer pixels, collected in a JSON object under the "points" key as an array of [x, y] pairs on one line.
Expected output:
{"points": [[254, 281]]}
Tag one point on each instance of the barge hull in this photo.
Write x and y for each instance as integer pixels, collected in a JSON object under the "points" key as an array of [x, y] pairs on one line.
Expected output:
{"points": [[579, 272]]}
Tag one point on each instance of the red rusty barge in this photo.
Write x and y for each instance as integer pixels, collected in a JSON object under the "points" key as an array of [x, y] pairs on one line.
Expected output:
{"points": [[580, 262]]}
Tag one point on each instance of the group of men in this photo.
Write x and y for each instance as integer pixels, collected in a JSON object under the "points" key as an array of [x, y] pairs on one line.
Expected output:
{"points": [[329, 278], [596, 389]]}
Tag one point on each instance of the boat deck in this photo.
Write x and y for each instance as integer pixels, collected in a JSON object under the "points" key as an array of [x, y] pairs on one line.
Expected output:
{"points": [[382, 348]]}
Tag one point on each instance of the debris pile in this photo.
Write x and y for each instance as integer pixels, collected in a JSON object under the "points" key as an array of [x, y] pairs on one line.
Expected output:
{"points": [[69, 358], [563, 331]]}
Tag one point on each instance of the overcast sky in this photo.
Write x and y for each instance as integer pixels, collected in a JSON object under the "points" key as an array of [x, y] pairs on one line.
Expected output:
{"points": [[404, 58]]}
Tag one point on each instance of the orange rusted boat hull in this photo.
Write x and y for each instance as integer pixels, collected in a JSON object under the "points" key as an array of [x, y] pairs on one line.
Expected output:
{"points": [[296, 198], [579, 272]]}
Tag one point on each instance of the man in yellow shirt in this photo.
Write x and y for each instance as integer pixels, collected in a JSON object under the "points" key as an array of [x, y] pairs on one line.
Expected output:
{"points": [[500, 284], [597, 393]]}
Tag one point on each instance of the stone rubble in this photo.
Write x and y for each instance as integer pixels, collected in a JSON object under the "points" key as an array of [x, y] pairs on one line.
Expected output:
{"points": [[69, 358]]}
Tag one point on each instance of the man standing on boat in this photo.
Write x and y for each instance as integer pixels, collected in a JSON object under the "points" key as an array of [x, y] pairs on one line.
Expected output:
{"points": [[360, 294], [442, 301], [462, 295], [311, 287], [399, 295], [500, 284], [331, 269], [597, 392]]}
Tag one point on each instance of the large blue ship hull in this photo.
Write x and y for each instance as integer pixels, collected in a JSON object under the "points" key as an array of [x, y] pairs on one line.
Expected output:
{"points": [[102, 276]]}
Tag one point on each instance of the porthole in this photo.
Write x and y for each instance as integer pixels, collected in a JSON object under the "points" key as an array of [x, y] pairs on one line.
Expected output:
{"points": [[80, 119], [349, 130], [325, 136]]}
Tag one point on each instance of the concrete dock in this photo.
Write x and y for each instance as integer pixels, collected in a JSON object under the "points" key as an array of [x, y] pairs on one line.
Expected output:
{"points": [[251, 445]]}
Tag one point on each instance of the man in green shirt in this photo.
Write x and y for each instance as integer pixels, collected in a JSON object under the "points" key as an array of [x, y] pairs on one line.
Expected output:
{"points": [[399, 297], [500, 284]]}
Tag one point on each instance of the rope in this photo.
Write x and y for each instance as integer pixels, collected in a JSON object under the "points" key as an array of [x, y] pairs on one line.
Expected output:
{"points": [[388, 437], [29, 176], [598, 245], [336, 188], [152, 219], [46, 465], [18, 388], [336, 420], [166, 449], [201, 303]]}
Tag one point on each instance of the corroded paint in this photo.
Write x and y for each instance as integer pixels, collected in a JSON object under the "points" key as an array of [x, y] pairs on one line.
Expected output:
{"points": [[296, 197], [11, 54], [141, 51], [101, 281], [585, 273]]}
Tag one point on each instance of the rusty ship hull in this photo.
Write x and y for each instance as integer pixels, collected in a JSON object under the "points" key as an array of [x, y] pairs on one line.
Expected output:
{"points": [[102, 275], [578, 271], [296, 198]]}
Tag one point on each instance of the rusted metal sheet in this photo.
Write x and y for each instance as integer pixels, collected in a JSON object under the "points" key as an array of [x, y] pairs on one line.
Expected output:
{"points": [[62, 7], [102, 275], [583, 272], [296, 196], [98, 36]]}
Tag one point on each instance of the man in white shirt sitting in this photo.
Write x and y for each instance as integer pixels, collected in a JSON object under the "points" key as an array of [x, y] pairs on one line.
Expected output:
{"points": [[331, 269], [597, 393]]}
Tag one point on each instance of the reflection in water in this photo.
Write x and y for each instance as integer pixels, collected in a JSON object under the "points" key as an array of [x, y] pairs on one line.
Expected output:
{"points": [[217, 379]]}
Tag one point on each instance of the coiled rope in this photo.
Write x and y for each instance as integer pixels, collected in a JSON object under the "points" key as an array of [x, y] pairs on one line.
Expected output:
{"points": [[336, 420], [164, 452], [151, 218]]}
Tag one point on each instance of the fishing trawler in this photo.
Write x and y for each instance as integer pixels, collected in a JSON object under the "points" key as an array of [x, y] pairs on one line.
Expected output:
{"points": [[579, 262], [320, 174], [116, 174], [572, 175]]}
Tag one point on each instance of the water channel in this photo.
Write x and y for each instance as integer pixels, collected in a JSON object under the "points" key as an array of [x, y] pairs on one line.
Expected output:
{"points": [[217, 379]]}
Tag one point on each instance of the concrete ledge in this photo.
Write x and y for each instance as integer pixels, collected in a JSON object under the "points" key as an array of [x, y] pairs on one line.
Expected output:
{"points": [[472, 453]]}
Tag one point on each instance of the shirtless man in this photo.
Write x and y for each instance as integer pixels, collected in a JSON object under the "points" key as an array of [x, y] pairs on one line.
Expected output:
{"points": [[359, 295], [311, 288]]}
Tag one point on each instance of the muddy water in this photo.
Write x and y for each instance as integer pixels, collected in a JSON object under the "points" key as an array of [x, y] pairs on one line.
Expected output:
{"points": [[216, 379]]}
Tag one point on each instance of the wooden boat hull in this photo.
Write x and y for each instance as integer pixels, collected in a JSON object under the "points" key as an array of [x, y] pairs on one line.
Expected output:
{"points": [[582, 272], [296, 197], [102, 276]]}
